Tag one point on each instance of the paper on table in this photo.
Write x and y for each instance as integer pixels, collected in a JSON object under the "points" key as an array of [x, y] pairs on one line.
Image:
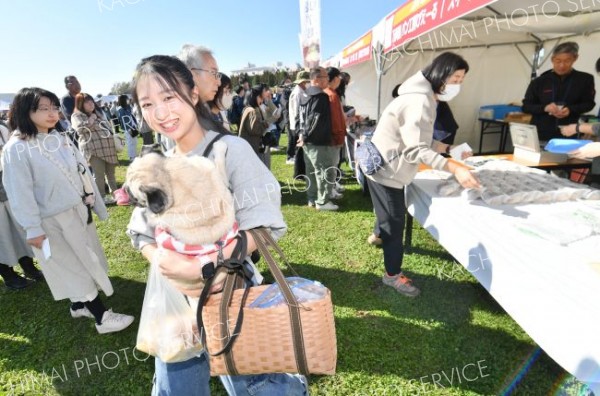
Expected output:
{"points": [[457, 151], [46, 249]]}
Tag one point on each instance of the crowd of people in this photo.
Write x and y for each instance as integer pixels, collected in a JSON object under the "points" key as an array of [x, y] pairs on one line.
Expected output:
{"points": [[50, 147]]}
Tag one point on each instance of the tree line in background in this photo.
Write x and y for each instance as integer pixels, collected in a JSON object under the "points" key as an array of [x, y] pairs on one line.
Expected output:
{"points": [[270, 78]]}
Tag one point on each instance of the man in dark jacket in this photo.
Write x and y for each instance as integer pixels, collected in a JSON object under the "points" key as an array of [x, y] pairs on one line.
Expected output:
{"points": [[67, 102], [314, 131], [559, 96]]}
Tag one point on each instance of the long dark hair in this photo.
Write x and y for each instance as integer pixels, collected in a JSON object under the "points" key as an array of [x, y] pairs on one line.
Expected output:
{"points": [[442, 67], [255, 93], [26, 101], [172, 74]]}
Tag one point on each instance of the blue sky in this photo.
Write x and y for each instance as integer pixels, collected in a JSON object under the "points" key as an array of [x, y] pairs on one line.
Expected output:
{"points": [[101, 41]]}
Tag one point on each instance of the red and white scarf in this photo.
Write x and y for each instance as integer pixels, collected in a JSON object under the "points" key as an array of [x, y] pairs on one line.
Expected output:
{"points": [[165, 240]]}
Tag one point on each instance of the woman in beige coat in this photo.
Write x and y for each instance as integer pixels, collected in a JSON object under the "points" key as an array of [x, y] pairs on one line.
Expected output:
{"points": [[52, 198], [404, 136]]}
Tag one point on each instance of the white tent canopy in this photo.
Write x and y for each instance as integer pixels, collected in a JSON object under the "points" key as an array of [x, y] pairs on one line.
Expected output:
{"points": [[499, 41]]}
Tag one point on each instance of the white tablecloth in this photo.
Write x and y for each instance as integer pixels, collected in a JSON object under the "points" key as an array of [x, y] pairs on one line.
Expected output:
{"points": [[551, 290]]}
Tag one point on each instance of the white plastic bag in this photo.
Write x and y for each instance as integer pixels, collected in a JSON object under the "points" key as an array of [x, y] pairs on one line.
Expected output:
{"points": [[168, 327]]}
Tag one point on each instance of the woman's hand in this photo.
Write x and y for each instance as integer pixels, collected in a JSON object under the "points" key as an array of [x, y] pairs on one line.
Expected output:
{"points": [[37, 241], [590, 150], [178, 267], [466, 178]]}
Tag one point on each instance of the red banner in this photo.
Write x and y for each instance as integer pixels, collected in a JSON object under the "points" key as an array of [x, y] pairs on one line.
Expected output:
{"points": [[357, 52], [417, 17]]}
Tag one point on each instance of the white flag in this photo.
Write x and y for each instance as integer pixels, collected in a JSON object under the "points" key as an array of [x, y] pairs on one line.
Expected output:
{"points": [[310, 32]]}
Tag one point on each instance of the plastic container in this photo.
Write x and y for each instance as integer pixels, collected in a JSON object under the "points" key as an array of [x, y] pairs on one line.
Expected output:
{"points": [[497, 112], [304, 290], [565, 146]]}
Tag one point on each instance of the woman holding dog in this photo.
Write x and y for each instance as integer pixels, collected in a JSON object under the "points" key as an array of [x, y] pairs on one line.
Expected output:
{"points": [[165, 91], [403, 137]]}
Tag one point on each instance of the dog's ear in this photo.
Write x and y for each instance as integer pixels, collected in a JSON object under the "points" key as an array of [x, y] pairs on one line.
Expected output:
{"points": [[157, 199]]}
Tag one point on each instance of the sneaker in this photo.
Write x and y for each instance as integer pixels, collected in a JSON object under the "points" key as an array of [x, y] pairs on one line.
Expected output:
{"points": [[108, 200], [112, 322], [374, 240], [274, 149], [327, 206], [402, 284], [121, 197], [339, 188], [290, 161], [16, 282], [336, 195], [81, 313], [311, 204]]}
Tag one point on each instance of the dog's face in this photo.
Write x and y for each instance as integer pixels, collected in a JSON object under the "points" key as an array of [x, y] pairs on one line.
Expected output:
{"points": [[148, 183]]}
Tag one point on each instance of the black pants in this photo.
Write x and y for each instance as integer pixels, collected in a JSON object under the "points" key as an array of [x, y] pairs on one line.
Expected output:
{"points": [[292, 140], [390, 211]]}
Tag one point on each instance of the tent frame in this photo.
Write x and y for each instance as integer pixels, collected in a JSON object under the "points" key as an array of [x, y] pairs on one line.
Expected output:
{"points": [[383, 62]]}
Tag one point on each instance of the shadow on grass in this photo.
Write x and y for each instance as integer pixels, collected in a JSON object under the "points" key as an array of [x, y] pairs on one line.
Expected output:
{"points": [[40, 337]]}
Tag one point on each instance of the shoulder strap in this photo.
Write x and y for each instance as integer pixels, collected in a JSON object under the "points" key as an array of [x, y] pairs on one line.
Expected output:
{"points": [[208, 148], [245, 112]]}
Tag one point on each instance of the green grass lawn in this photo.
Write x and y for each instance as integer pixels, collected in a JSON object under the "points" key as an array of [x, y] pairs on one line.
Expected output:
{"points": [[454, 334]]}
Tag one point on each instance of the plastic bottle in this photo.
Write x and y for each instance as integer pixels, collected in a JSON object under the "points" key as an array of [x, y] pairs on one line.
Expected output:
{"points": [[304, 290]]}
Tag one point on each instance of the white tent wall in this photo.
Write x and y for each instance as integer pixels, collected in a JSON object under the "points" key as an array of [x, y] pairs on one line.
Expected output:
{"points": [[496, 75], [361, 91]]}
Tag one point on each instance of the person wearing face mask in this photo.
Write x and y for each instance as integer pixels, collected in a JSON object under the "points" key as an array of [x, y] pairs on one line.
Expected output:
{"points": [[221, 102], [404, 136]]}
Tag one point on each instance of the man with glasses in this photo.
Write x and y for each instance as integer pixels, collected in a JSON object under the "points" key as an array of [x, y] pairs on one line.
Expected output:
{"points": [[203, 65], [314, 131], [67, 102]]}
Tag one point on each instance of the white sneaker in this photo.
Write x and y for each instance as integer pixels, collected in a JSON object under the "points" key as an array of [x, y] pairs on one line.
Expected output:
{"points": [[81, 313], [328, 206], [290, 161], [336, 195], [112, 322], [311, 204], [339, 188]]}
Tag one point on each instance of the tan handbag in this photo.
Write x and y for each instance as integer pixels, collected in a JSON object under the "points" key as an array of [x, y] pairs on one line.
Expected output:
{"points": [[289, 338]]}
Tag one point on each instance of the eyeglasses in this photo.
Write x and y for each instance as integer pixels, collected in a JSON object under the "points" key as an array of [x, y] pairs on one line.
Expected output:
{"points": [[48, 109], [217, 75]]}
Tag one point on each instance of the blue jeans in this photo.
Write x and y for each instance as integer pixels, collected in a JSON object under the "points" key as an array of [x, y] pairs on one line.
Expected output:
{"points": [[191, 378]]}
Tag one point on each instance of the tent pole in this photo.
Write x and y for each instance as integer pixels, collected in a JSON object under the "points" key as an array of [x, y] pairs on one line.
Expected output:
{"points": [[379, 59], [536, 60]]}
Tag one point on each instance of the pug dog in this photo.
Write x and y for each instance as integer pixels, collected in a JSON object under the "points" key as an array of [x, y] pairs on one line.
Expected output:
{"points": [[187, 196]]}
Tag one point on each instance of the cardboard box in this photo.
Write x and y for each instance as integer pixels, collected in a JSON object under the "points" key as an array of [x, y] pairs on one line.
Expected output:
{"points": [[521, 118], [497, 112]]}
